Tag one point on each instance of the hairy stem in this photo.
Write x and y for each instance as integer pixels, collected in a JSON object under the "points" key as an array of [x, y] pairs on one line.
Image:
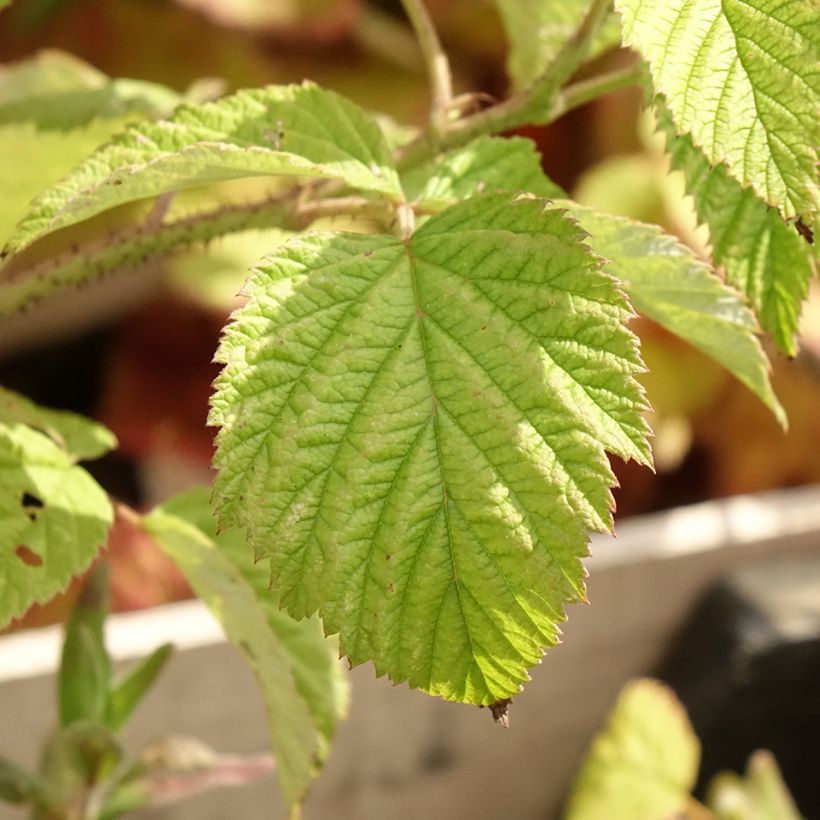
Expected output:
{"points": [[438, 67], [133, 246]]}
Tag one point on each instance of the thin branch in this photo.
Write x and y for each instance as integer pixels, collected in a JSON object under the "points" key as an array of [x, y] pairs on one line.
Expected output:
{"points": [[576, 50], [540, 102], [438, 67], [582, 92]]}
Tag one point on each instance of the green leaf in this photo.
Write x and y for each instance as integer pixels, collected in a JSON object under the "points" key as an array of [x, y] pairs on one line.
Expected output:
{"points": [[668, 283], [296, 130], [85, 668], [764, 257], [41, 158], [484, 165], [54, 90], [761, 795], [80, 437], [643, 764], [128, 693], [414, 432], [743, 78], [296, 667], [538, 29], [58, 91], [54, 518], [18, 785], [313, 657]]}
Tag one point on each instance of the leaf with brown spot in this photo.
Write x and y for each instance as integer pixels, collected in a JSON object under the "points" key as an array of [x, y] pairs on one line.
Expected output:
{"points": [[55, 518]]}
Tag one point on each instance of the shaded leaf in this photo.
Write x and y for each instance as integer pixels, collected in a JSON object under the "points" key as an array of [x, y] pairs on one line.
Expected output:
{"points": [[74, 757], [129, 692], [295, 677], [313, 658], [415, 433], [85, 667], [57, 91], [296, 130], [643, 764], [743, 78], [487, 164], [18, 785], [760, 795]]}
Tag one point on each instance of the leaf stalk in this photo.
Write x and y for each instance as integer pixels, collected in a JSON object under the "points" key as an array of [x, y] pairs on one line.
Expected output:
{"points": [[437, 64]]}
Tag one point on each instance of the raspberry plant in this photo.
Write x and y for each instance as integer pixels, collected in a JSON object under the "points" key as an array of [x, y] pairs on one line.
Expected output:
{"points": [[414, 420]]}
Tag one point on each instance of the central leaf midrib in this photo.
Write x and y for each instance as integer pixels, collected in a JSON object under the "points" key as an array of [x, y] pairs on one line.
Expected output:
{"points": [[414, 279]]}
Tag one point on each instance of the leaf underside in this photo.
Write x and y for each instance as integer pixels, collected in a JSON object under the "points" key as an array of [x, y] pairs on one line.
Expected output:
{"points": [[297, 130], [743, 78], [297, 668], [414, 435]]}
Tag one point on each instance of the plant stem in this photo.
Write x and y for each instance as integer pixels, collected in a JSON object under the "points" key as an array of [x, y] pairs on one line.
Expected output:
{"points": [[577, 48], [582, 92], [540, 102], [22, 285], [355, 206], [438, 67], [388, 38]]}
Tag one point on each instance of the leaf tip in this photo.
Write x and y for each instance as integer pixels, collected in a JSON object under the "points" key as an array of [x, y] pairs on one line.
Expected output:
{"points": [[804, 230], [500, 710]]}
